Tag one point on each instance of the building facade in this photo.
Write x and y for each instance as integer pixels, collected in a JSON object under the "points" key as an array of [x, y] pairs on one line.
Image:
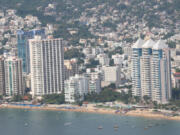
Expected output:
{"points": [[161, 72], [94, 82], [47, 66], [71, 68], [2, 76], [14, 84], [151, 70], [75, 88], [112, 74], [23, 46], [136, 72]]}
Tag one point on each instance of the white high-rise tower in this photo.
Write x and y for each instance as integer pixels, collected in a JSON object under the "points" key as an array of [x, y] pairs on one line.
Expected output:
{"points": [[47, 66], [146, 68], [136, 74], [13, 76], [151, 70], [161, 72]]}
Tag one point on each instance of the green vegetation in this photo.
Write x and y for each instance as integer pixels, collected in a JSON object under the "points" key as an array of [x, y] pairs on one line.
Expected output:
{"points": [[1, 97], [176, 94], [2, 50], [109, 95], [4, 41], [17, 98], [110, 24], [177, 70], [53, 99], [172, 44], [67, 13], [73, 53], [168, 35], [92, 63], [115, 51], [111, 63]]}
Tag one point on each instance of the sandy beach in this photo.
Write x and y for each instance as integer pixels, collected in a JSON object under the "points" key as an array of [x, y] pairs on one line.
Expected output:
{"points": [[147, 113]]}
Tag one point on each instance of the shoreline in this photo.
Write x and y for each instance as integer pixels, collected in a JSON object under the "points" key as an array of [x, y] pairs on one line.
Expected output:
{"points": [[135, 113]]}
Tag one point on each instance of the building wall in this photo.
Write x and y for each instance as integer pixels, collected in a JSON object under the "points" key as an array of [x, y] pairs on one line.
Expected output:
{"points": [[13, 77], [47, 66], [112, 74], [75, 88], [136, 75], [2, 76], [23, 46], [153, 77]]}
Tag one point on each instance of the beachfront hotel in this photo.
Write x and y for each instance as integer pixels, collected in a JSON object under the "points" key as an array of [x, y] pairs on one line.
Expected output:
{"points": [[151, 70], [13, 77], [2, 76], [47, 66]]}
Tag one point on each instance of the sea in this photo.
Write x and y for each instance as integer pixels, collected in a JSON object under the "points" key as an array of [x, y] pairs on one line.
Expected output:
{"points": [[40, 122]]}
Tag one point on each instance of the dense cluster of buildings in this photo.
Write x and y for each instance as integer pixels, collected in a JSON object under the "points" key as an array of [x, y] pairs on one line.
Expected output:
{"points": [[40, 60], [36, 62]]}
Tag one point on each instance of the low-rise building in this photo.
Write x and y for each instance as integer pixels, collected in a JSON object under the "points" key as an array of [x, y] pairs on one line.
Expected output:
{"points": [[176, 80], [112, 74], [75, 88], [103, 59]]}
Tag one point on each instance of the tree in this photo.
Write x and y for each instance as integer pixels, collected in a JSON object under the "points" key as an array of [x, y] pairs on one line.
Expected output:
{"points": [[146, 99], [92, 63], [1, 97], [137, 99], [53, 99], [73, 53], [78, 99], [171, 44], [17, 98], [177, 70], [111, 63], [175, 93]]}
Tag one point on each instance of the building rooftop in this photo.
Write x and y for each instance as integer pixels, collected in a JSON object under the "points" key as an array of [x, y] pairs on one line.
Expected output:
{"points": [[148, 44], [138, 43], [160, 44]]}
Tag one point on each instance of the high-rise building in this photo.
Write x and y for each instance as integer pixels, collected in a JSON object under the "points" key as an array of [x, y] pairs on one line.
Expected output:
{"points": [[13, 76], [151, 70], [47, 66], [145, 66], [136, 73], [23, 46], [161, 72], [2, 76]]}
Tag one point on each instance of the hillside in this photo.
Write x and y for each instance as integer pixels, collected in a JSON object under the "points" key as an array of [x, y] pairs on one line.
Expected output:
{"points": [[120, 18]]}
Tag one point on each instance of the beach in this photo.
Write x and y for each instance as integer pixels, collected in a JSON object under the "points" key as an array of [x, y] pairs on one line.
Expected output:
{"points": [[147, 113]]}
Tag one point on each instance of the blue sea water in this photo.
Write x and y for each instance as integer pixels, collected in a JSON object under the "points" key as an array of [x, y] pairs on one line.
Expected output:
{"points": [[37, 122]]}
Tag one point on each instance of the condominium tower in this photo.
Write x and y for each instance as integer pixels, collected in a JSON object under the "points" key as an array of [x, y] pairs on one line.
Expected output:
{"points": [[2, 76], [151, 70], [23, 46], [47, 66], [13, 76]]}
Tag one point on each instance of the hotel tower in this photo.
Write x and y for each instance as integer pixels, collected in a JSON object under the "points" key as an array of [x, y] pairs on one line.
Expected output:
{"points": [[47, 66], [151, 70]]}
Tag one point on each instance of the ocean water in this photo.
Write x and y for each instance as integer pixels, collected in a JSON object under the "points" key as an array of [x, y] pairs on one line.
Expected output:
{"points": [[37, 122]]}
